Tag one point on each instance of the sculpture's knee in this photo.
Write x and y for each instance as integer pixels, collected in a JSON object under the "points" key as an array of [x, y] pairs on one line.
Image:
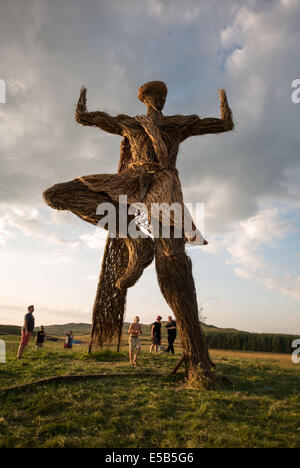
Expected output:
{"points": [[170, 248], [65, 196], [172, 263], [54, 197]]}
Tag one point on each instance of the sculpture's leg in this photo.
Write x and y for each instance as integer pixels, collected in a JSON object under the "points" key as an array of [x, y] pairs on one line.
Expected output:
{"points": [[74, 196], [141, 254], [109, 304], [174, 272]]}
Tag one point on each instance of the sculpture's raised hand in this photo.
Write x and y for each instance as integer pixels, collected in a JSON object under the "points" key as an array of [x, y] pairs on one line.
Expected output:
{"points": [[81, 105], [193, 125], [226, 114], [96, 119], [223, 98]]}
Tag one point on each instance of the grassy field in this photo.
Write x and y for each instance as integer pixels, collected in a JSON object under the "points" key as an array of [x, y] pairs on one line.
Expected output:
{"points": [[146, 406]]}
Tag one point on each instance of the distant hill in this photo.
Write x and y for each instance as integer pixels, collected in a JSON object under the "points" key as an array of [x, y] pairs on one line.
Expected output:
{"points": [[76, 328], [85, 329], [56, 330], [10, 330]]}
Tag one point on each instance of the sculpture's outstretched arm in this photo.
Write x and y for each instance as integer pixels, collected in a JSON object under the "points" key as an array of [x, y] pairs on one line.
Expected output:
{"points": [[97, 119], [196, 126]]}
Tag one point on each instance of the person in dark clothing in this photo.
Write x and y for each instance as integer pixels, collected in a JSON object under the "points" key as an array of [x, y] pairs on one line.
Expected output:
{"points": [[156, 334], [69, 339], [27, 330], [40, 337], [171, 329]]}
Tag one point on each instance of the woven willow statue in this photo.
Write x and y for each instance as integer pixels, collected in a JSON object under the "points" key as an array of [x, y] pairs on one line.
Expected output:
{"points": [[147, 174]]}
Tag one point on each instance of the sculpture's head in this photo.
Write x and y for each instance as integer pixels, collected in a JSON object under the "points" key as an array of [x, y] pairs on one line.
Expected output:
{"points": [[153, 94]]}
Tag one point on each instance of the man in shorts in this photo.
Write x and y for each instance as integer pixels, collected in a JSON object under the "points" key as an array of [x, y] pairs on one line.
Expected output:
{"points": [[27, 330], [135, 330]]}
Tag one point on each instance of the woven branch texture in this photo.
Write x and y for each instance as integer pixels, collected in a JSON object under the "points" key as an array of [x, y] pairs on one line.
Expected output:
{"points": [[110, 301]]}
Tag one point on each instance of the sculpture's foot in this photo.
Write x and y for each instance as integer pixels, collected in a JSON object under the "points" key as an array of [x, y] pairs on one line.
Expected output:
{"points": [[141, 254]]}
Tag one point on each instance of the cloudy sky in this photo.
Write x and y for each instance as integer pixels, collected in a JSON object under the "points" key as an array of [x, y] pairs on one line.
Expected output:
{"points": [[249, 275]]}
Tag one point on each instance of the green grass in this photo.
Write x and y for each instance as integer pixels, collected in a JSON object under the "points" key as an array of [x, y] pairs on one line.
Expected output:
{"points": [[135, 409]]}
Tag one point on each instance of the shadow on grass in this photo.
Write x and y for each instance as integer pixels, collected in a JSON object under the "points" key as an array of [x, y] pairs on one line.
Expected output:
{"points": [[105, 356]]}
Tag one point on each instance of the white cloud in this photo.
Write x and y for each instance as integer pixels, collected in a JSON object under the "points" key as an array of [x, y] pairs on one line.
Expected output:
{"points": [[20, 219], [266, 226], [245, 20], [95, 239], [244, 246], [290, 3], [13, 314], [63, 241]]}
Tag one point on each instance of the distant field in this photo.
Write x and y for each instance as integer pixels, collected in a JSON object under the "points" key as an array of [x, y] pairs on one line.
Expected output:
{"points": [[146, 406], [282, 360]]}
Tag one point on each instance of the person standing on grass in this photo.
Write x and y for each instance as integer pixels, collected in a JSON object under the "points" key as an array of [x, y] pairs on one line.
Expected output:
{"points": [[134, 330], [156, 334], [40, 337], [171, 329], [69, 339], [27, 330]]}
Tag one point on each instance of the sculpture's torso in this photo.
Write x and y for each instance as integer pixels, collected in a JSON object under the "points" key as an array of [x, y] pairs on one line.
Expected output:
{"points": [[150, 175], [141, 146]]}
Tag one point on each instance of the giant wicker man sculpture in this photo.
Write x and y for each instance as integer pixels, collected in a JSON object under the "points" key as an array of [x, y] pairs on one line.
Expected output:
{"points": [[147, 174]]}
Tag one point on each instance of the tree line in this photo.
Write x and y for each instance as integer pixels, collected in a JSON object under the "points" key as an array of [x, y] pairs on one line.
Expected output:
{"points": [[267, 342]]}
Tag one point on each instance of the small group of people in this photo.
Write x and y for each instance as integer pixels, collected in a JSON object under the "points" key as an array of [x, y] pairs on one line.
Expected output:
{"points": [[27, 331], [135, 330], [28, 328]]}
